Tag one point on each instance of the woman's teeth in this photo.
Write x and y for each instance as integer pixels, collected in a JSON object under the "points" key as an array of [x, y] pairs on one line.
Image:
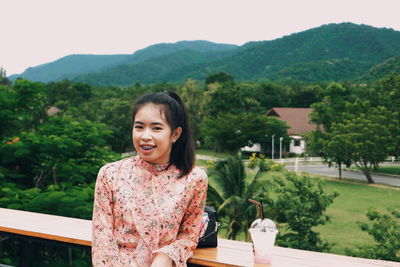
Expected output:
{"points": [[147, 147]]}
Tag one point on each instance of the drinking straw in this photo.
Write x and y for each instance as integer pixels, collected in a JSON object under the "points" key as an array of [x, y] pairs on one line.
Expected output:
{"points": [[259, 204]]}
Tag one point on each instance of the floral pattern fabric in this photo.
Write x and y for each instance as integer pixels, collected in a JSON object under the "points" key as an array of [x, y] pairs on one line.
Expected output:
{"points": [[140, 210]]}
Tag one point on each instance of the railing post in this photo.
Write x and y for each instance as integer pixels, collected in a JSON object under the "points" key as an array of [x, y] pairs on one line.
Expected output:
{"points": [[25, 253]]}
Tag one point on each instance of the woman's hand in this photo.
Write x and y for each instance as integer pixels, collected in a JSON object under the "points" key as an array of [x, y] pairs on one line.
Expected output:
{"points": [[161, 260]]}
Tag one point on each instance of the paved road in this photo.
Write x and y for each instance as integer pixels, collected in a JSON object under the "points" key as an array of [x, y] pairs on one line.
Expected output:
{"points": [[324, 170]]}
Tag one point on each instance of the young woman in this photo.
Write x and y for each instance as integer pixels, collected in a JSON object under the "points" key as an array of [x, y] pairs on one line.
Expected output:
{"points": [[148, 208]]}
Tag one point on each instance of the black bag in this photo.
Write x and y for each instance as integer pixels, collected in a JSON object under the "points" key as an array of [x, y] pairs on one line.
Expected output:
{"points": [[209, 238]]}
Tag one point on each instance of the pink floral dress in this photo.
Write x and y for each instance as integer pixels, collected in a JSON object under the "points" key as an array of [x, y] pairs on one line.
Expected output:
{"points": [[140, 210]]}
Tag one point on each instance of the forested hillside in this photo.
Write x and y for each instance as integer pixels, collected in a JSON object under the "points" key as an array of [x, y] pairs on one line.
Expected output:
{"points": [[334, 52], [71, 66]]}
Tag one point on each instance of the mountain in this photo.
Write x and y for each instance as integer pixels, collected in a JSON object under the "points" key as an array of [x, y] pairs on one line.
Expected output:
{"points": [[163, 49], [74, 65], [151, 70], [70, 66], [330, 52], [334, 42]]}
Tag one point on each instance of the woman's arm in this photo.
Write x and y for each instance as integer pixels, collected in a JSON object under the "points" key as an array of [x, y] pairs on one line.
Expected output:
{"points": [[105, 251], [188, 235]]}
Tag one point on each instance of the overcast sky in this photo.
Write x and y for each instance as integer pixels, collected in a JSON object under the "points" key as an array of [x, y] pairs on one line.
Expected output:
{"points": [[34, 32]]}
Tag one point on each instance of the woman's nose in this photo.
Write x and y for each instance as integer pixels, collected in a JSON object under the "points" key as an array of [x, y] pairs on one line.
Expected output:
{"points": [[146, 134]]}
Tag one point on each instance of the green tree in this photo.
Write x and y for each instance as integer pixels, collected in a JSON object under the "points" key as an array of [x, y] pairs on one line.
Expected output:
{"points": [[304, 96], [30, 103], [192, 95], [387, 93], [220, 77], [3, 77], [269, 95], [64, 94], [300, 205], [331, 148], [9, 121], [222, 98], [229, 189], [332, 108], [365, 139], [62, 152]]}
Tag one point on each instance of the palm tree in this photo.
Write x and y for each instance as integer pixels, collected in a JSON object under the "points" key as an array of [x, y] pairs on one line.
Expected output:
{"points": [[230, 189]]}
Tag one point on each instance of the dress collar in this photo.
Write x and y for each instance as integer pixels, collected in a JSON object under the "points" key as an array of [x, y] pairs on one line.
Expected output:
{"points": [[157, 168]]}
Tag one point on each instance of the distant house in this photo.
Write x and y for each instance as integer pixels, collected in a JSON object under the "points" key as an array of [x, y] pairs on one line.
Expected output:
{"points": [[53, 111], [299, 122]]}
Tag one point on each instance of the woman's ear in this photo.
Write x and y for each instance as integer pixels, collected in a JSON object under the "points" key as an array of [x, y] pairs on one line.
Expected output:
{"points": [[176, 134]]}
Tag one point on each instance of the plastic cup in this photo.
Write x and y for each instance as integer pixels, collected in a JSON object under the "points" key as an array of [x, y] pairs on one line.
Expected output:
{"points": [[263, 243]]}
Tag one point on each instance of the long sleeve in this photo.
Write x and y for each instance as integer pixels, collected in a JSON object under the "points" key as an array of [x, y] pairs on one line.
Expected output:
{"points": [[188, 235], [105, 250]]}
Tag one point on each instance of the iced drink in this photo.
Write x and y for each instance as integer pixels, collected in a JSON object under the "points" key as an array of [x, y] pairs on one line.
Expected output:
{"points": [[263, 233]]}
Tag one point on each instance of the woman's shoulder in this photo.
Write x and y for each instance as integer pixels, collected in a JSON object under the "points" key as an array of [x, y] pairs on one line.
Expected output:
{"points": [[198, 173], [118, 165]]}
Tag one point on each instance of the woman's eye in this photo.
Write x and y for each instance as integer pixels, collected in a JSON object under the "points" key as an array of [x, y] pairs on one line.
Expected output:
{"points": [[157, 128], [138, 127]]}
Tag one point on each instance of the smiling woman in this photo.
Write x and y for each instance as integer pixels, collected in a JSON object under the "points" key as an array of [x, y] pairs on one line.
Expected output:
{"points": [[148, 208]]}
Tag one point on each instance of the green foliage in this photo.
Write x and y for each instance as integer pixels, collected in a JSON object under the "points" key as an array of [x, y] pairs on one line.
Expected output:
{"points": [[385, 229], [365, 140], [62, 150], [230, 132], [301, 204], [192, 95], [220, 77], [392, 65], [229, 190], [3, 77], [360, 132], [70, 201], [65, 94], [30, 103]]}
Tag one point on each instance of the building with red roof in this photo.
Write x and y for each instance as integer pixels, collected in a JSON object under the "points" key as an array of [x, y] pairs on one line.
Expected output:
{"points": [[298, 120]]}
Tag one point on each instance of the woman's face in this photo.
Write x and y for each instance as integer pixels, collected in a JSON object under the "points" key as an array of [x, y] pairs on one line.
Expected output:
{"points": [[152, 135]]}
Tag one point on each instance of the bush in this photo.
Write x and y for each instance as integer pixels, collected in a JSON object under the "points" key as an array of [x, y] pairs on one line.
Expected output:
{"points": [[385, 229], [300, 205]]}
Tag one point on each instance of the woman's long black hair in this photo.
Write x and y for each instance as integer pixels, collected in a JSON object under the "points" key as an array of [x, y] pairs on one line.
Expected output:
{"points": [[182, 153]]}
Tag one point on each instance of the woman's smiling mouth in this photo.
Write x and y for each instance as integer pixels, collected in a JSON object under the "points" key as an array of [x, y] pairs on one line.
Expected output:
{"points": [[147, 148]]}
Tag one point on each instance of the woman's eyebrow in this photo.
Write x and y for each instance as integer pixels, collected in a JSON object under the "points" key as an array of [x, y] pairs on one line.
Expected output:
{"points": [[153, 123]]}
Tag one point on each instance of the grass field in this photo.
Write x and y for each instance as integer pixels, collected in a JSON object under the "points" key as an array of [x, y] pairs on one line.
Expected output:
{"points": [[389, 170], [351, 206], [211, 153], [384, 169]]}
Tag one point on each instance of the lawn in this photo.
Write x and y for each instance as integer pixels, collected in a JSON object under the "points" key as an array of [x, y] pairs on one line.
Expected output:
{"points": [[351, 206], [384, 169], [211, 153], [389, 170]]}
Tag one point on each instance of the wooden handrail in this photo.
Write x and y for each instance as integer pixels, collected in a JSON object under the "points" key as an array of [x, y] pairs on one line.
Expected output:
{"points": [[229, 253]]}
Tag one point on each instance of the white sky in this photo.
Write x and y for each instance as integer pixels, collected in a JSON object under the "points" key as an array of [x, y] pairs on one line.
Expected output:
{"points": [[41, 31]]}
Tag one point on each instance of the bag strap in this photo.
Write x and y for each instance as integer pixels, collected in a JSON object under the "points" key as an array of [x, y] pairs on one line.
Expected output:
{"points": [[217, 224]]}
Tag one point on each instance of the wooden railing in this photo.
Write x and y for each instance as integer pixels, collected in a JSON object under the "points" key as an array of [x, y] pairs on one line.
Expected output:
{"points": [[77, 232]]}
